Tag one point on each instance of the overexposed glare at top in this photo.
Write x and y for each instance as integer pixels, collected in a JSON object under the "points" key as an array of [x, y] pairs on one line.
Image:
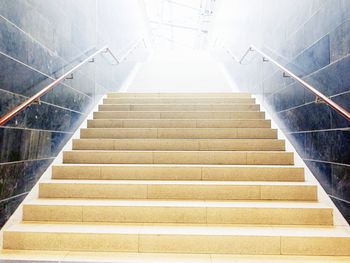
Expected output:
{"points": [[179, 23]]}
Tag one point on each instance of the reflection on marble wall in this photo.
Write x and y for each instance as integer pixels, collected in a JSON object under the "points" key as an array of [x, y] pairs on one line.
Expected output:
{"points": [[311, 38], [39, 41]]}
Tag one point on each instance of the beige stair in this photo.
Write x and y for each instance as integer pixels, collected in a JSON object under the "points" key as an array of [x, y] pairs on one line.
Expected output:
{"points": [[178, 123], [179, 115], [178, 190], [178, 100], [180, 144], [183, 107], [179, 239], [178, 157], [179, 95], [167, 211], [179, 173], [180, 133]]}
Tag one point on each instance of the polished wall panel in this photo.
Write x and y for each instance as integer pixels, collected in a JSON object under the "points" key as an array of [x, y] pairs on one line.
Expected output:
{"points": [[39, 41], [312, 39]]}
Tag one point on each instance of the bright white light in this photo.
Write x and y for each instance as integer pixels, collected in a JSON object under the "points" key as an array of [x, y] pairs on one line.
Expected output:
{"points": [[173, 71], [179, 23]]}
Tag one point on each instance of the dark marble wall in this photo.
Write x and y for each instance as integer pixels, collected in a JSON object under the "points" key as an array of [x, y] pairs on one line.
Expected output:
{"points": [[312, 38], [39, 41]]}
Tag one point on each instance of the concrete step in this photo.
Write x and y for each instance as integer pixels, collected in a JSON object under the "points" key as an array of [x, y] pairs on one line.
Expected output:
{"points": [[249, 240], [180, 144], [172, 100], [178, 172], [178, 115], [178, 133], [178, 190], [178, 123], [179, 107], [178, 95], [169, 211], [179, 157]]}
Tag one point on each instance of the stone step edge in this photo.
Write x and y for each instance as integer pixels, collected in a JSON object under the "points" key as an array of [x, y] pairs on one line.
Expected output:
{"points": [[268, 204], [173, 182], [182, 229]]}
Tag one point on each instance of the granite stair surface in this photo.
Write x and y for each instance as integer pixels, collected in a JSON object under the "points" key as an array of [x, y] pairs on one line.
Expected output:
{"points": [[179, 173]]}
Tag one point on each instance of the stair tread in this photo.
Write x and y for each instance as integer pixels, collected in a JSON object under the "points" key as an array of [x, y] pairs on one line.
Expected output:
{"points": [[141, 257], [180, 151], [217, 96], [166, 104], [247, 166], [176, 93], [173, 203], [236, 115], [190, 111], [180, 144], [194, 95], [200, 120], [179, 100], [181, 229], [201, 129], [180, 123], [186, 139], [159, 182]]}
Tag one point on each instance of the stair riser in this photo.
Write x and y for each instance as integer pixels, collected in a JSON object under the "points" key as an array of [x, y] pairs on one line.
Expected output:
{"points": [[178, 95], [179, 145], [184, 107], [177, 115], [179, 123], [173, 133], [192, 215], [179, 191], [160, 243], [288, 174], [184, 157], [180, 101]]}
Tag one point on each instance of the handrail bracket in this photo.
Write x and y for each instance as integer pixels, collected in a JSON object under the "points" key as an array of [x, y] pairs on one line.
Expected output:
{"points": [[319, 100], [285, 75], [71, 76], [37, 101]]}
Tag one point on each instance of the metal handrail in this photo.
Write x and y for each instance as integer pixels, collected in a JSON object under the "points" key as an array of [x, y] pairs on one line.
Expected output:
{"points": [[319, 96], [36, 98]]}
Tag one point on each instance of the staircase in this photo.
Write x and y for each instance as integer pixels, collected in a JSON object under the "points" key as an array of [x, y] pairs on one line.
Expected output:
{"points": [[179, 173]]}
